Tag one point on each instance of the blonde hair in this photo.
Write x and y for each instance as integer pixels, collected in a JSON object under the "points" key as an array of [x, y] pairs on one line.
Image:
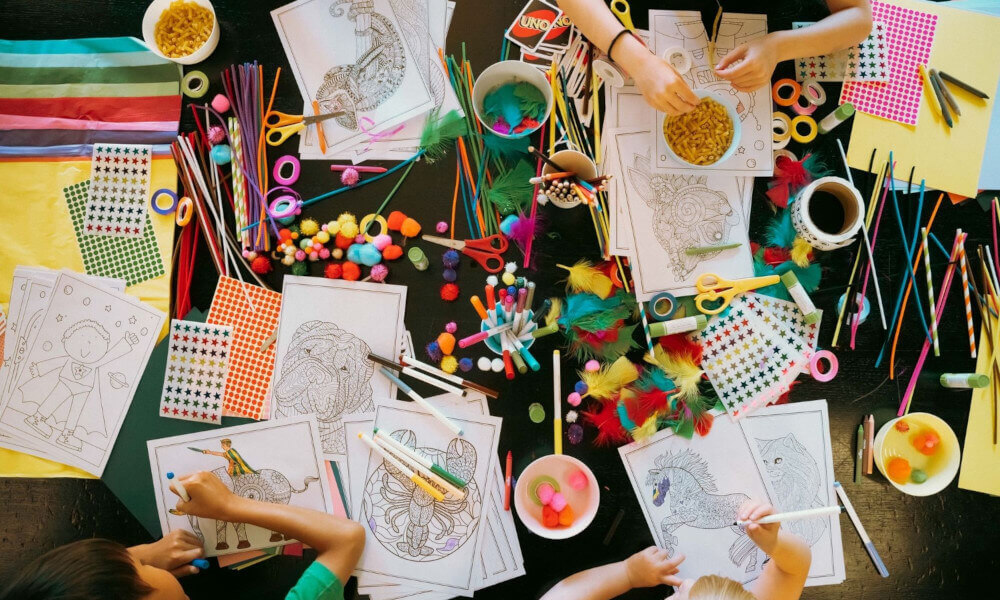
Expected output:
{"points": [[714, 587]]}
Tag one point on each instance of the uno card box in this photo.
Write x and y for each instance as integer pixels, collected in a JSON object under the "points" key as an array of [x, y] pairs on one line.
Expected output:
{"points": [[533, 24]]}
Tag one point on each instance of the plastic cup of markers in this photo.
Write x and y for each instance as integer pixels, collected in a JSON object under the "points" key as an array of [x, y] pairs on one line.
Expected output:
{"points": [[152, 17], [524, 335], [503, 73], [734, 117], [584, 503], [573, 161]]}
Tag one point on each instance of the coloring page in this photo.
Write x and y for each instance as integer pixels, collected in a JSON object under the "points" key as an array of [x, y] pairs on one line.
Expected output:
{"points": [[277, 461], [685, 29], [352, 56], [670, 213], [80, 373], [691, 491], [326, 330], [793, 441], [435, 548]]}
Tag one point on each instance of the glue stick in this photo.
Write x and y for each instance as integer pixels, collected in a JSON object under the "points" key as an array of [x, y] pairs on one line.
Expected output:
{"points": [[662, 328], [418, 258], [800, 296], [964, 380], [843, 112]]}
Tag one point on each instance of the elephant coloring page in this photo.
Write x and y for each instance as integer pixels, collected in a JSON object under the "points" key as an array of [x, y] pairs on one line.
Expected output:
{"points": [[277, 461], [326, 330]]}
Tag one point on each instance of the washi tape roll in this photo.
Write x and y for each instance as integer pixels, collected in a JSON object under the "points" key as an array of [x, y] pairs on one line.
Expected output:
{"points": [[279, 165], [781, 124], [831, 369], [678, 58], [662, 306], [803, 106], [786, 153], [194, 84], [866, 308], [814, 92], [610, 72], [154, 201], [783, 84], [836, 231], [809, 123], [185, 208], [382, 223]]}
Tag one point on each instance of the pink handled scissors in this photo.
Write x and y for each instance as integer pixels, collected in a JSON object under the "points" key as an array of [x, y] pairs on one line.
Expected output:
{"points": [[486, 251]]}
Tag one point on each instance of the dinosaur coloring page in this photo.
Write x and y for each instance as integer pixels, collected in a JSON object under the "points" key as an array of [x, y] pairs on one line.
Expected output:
{"points": [[351, 56], [326, 330], [276, 461], [690, 492], [81, 364], [669, 213], [793, 441]]}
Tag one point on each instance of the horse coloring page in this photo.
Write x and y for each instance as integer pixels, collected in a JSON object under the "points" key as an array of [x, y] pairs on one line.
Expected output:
{"points": [[690, 492], [793, 441], [275, 461]]}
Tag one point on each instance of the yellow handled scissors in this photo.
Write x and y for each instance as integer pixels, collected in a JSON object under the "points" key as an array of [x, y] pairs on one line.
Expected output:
{"points": [[713, 287], [621, 9], [281, 126]]}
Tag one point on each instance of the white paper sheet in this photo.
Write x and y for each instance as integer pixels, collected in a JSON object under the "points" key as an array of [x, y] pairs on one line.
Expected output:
{"points": [[288, 463]]}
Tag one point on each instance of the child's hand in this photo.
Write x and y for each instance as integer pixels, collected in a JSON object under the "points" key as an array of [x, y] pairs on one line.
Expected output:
{"points": [[652, 567], [173, 552], [210, 499], [749, 66], [661, 86], [765, 536]]}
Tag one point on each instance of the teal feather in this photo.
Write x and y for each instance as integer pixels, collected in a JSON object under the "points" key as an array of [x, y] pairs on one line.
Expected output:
{"points": [[503, 102], [780, 232], [655, 379], [623, 417], [509, 150], [816, 167]]}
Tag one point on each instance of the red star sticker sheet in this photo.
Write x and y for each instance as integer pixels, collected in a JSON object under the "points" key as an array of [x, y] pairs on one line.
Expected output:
{"points": [[119, 187], [868, 61], [197, 364]]}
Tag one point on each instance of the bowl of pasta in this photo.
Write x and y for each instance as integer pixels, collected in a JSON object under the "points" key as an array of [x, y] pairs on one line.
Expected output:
{"points": [[705, 136]]}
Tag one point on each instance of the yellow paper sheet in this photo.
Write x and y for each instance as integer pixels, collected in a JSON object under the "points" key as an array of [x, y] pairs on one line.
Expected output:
{"points": [[949, 159], [37, 231], [980, 471]]}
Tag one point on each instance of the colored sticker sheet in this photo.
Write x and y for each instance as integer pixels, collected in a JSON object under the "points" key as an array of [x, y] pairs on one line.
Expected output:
{"points": [[197, 364], [787, 313], [825, 67], [134, 259], [909, 37], [119, 187], [251, 312], [949, 159], [870, 62]]}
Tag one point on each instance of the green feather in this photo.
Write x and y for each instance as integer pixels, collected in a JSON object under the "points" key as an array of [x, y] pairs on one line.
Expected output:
{"points": [[510, 150], [511, 192], [532, 100], [439, 133]]}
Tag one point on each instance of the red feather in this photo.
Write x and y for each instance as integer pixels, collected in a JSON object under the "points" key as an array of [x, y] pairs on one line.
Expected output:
{"points": [[775, 256], [605, 418], [654, 401], [679, 344], [703, 423]]}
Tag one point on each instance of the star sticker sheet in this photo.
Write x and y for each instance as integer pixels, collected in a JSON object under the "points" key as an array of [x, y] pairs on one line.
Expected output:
{"points": [[868, 61], [789, 315], [750, 355], [197, 363], [119, 187]]}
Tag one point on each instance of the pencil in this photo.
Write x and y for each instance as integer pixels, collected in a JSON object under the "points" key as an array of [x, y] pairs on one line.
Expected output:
{"points": [[406, 471], [936, 76], [869, 444], [556, 403], [963, 85], [795, 515], [937, 94], [859, 459], [437, 414]]}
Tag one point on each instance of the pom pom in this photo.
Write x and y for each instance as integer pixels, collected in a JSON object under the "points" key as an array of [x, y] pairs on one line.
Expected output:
{"points": [[216, 134], [433, 351], [300, 268], [508, 278], [446, 342], [545, 492], [337, 253], [322, 236], [313, 256], [350, 176], [379, 273], [606, 382], [343, 242], [550, 518], [220, 103], [449, 292], [566, 516], [591, 366], [441, 227], [492, 280], [261, 265], [465, 365], [300, 255], [308, 226], [584, 277], [577, 480], [288, 260], [354, 253], [410, 228], [360, 238], [449, 275], [449, 364], [557, 502], [395, 220], [392, 252], [369, 254], [381, 241], [510, 267], [352, 272], [580, 388], [484, 363], [332, 228], [451, 327], [496, 365], [333, 271], [349, 229], [574, 399], [451, 258], [221, 154], [346, 217]]}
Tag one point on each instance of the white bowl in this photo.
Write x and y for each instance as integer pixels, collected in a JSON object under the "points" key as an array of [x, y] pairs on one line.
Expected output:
{"points": [[734, 116], [150, 19], [939, 480], [504, 72], [583, 502], [578, 163]]}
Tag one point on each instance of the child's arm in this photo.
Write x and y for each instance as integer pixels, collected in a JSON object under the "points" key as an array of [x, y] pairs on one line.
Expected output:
{"points": [[338, 541], [785, 574], [662, 87], [749, 66], [648, 568]]}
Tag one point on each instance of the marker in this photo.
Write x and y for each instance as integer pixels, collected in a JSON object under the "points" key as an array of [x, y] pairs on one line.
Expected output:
{"points": [[420, 458], [406, 471], [409, 460], [183, 493], [547, 330], [426, 368], [201, 563], [965, 380], [542, 310], [480, 309], [508, 479], [869, 546], [411, 372], [795, 515], [482, 335], [423, 403], [523, 351], [556, 403]]}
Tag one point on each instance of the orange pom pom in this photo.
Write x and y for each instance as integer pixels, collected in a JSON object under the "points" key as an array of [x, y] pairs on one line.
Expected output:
{"points": [[333, 271], [566, 516], [899, 470], [447, 343], [449, 292], [392, 252], [352, 272], [410, 228], [261, 265], [343, 242], [395, 220], [550, 518]]}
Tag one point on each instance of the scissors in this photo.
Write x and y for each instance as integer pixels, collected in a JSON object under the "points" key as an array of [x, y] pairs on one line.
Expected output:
{"points": [[281, 126], [486, 251], [713, 287], [622, 10]]}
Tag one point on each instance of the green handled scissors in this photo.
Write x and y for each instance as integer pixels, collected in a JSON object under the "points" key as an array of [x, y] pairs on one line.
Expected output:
{"points": [[281, 126]]}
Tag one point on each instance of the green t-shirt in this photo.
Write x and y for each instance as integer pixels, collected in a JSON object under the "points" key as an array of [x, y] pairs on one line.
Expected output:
{"points": [[317, 583]]}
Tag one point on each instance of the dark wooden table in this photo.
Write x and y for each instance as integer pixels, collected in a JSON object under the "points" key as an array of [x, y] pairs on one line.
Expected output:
{"points": [[941, 546]]}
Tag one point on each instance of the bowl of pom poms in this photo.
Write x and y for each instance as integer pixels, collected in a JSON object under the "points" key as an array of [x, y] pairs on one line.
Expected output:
{"points": [[918, 453], [556, 496], [512, 99], [184, 31]]}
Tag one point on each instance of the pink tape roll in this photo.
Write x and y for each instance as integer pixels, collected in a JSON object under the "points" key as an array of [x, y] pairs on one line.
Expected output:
{"points": [[831, 370], [808, 108], [279, 166]]}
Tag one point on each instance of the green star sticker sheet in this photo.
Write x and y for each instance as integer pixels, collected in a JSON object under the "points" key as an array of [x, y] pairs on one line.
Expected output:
{"points": [[197, 364], [134, 259], [865, 62]]}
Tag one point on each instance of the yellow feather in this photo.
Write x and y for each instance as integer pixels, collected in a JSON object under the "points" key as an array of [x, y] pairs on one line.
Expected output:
{"points": [[605, 382], [645, 430], [684, 373], [584, 277], [800, 252], [554, 312]]}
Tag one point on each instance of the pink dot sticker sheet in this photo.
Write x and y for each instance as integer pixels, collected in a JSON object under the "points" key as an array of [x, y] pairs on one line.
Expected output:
{"points": [[909, 37]]}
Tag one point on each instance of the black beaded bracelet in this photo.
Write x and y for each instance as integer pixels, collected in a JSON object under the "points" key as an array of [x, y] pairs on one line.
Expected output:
{"points": [[614, 40]]}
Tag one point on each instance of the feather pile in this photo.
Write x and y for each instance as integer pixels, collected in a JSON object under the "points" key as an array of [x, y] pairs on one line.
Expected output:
{"points": [[596, 327]]}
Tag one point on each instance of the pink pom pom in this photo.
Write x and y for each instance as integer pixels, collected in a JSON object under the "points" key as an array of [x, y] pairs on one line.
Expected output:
{"points": [[381, 241], [558, 502], [577, 480], [451, 327], [300, 255], [324, 254], [591, 366], [216, 134], [359, 239], [220, 103], [545, 492], [441, 227], [379, 272], [350, 176], [574, 399], [314, 256]]}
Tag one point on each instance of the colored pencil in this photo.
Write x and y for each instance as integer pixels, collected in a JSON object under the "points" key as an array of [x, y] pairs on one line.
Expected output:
{"points": [[859, 453], [508, 480], [869, 444], [421, 464], [942, 107], [936, 77], [963, 85]]}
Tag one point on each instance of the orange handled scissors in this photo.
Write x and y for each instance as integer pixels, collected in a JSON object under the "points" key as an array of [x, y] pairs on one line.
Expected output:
{"points": [[486, 251], [713, 287], [281, 126]]}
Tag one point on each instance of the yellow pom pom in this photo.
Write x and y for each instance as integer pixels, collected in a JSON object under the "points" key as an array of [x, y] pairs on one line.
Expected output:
{"points": [[449, 364], [349, 229], [333, 228], [323, 237], [308, 227], [508, 279], [346, 217], [800, 252]]}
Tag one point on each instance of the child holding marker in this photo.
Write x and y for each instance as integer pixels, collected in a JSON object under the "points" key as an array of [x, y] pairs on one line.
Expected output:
{"points": [[783, 577], [104, 570]]}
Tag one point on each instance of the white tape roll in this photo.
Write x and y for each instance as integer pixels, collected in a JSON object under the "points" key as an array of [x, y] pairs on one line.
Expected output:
{"points": [[611, 73], [679, 59], [781, 124], [814, 93], [832, 235]]}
